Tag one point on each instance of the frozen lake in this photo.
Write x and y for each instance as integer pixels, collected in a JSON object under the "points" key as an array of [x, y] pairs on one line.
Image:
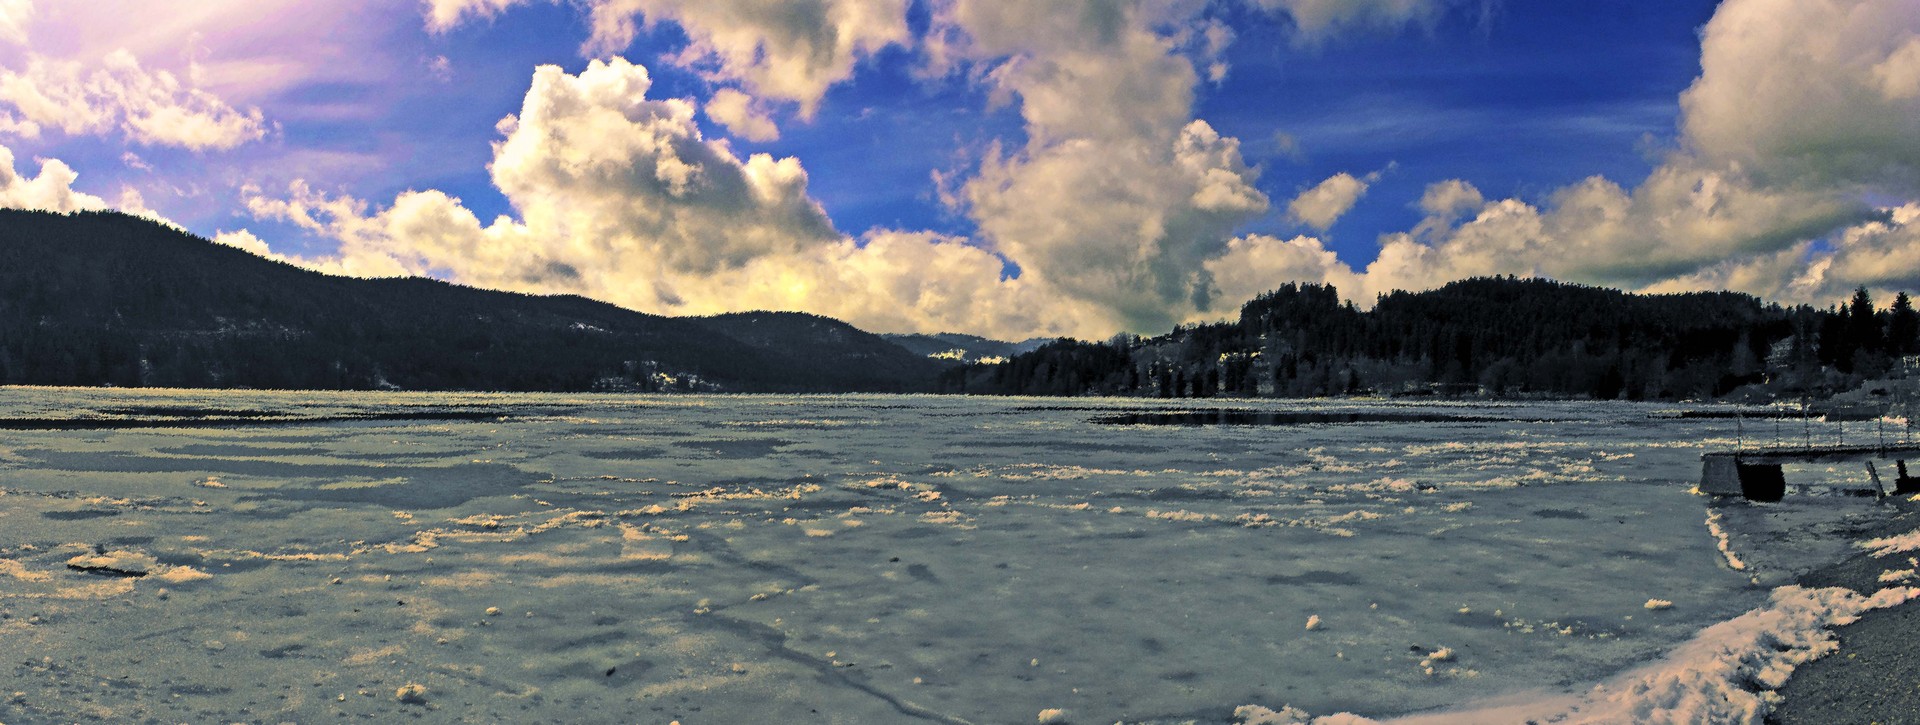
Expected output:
{"points": [[861, 559]]}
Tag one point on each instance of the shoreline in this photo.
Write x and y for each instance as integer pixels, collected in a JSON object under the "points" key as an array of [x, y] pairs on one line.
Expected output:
{"points": [[1874, 676]]}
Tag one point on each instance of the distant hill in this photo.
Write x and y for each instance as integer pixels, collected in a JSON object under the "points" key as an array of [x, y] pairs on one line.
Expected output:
{"points": [[840, 356], [953, 348], [106, 298]]}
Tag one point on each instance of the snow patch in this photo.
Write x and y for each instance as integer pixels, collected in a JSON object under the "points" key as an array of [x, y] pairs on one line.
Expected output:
{"points": [[182, 575], [1728, 673], [1888, 545], [1257, 715], [17, 570], [1720, 540], [116, 563]]}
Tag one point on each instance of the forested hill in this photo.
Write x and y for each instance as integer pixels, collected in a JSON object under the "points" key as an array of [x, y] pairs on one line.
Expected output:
{"points": [[1491, 336], [106, 298]]}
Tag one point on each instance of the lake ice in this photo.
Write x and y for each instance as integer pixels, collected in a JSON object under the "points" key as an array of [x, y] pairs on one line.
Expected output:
{"points": [[854, 559]]}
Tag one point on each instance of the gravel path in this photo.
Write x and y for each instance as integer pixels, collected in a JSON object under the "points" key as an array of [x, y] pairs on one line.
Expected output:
{"points": [[1875, 677]]}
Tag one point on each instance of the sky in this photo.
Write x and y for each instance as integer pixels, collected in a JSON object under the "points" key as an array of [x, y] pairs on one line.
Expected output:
{"points": [[994, 167]]}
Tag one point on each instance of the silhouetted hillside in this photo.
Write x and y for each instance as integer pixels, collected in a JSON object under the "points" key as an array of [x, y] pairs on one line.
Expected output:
{"points": [[1490, 336], [106, 298]]}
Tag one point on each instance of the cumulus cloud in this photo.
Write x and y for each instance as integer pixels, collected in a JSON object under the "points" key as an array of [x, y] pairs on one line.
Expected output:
{"points": [[1824, 91], [1119, 203], [1683, 228], [1110, 207], [1802, 110], [1322, 205], [1119, 194], [50, 190], [776, 50], [1450, 198], [1257, 263], [621, 198], [735, 110], [1119, 206], [1883, 254], [151, 107]]}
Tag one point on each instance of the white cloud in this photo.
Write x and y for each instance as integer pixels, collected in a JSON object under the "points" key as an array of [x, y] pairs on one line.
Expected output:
{"points": [[1450, 198], [777, 50], [244, 240], [593, 157], [735, 110], [1322, 205], [1681, 229], [1120, 206], [1883, 254], [276, 45], [1119, 194], [789, 51], [14, 15], [151, 107], [1899, 75], [1801, 110], [1810, 91], [1317, 19], [444, 15], [50, 190], [1256, 264], [620, 198]]}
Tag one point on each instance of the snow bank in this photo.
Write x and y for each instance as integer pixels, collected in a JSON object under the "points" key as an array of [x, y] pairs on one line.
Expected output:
{"points": [[1728, 673], [1899, 544], [1720, 540]]}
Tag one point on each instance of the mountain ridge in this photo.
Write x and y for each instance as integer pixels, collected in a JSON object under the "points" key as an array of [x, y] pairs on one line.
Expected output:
{"points": [[97, 298]]}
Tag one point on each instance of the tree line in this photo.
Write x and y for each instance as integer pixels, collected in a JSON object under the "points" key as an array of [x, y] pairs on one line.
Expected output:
{"points": [[1495, 336]]}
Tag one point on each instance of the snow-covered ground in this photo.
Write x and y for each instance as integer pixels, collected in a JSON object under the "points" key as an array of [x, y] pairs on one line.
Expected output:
{"points": [[198, 557]]}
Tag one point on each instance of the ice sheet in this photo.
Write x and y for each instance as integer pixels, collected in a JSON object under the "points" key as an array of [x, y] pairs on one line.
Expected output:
{"points": [[850, 559]]}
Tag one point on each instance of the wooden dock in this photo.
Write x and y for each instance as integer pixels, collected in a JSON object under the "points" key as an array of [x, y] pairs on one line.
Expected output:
{"points": [[1757, 475]]}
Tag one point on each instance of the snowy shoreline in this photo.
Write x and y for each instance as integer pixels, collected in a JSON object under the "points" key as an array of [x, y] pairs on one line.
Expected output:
{"points": [[1734, 671]]}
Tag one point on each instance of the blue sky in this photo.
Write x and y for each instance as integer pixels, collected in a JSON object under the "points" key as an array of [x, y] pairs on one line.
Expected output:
{"points": [[993, 167], [1518, 98]]}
